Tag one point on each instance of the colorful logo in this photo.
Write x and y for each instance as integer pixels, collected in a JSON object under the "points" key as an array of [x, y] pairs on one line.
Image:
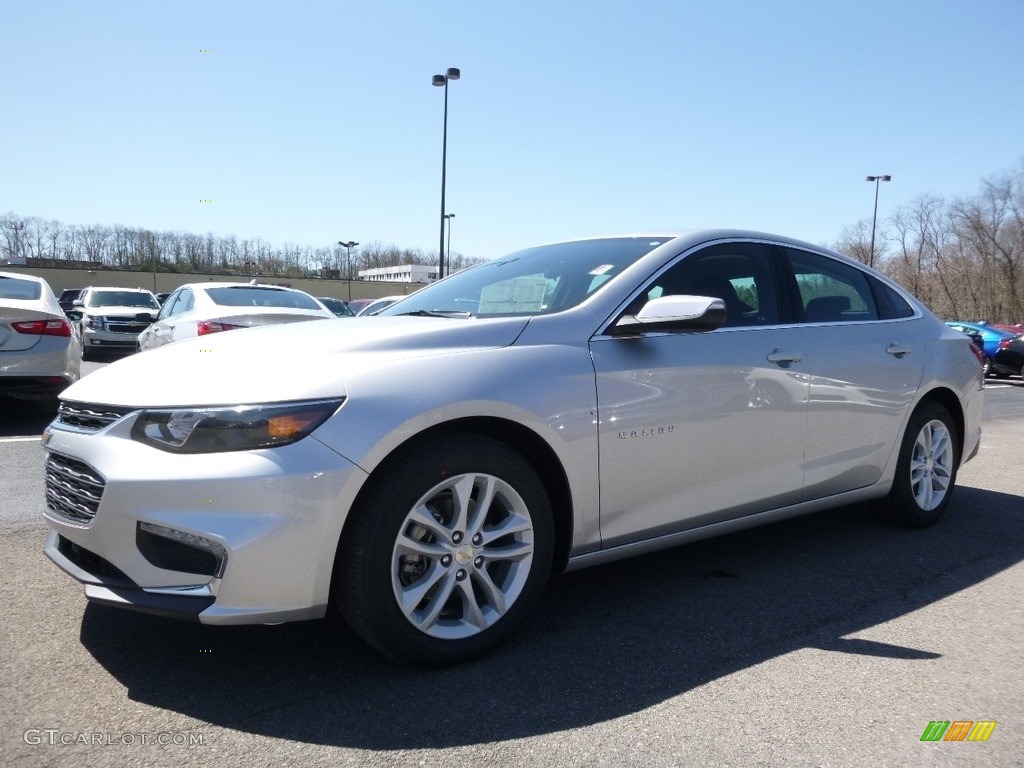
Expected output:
{"points": [[958, 730]]}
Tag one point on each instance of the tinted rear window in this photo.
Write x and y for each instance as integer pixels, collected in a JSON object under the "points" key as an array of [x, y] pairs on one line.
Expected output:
{"points": [[254, 296], [22, 290]]}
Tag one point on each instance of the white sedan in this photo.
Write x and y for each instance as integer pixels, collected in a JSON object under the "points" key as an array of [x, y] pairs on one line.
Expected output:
{"points": [[198, 309]]}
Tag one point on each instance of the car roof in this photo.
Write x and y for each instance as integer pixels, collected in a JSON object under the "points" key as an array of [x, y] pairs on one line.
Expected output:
{"points": [[23, 276]]}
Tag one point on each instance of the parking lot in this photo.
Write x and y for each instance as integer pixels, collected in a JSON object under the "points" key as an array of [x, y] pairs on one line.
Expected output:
{"points": [[828, 640]]}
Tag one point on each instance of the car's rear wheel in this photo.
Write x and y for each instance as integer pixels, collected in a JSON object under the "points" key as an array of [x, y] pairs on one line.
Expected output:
{"points": [[925, 471], [447, 550]]}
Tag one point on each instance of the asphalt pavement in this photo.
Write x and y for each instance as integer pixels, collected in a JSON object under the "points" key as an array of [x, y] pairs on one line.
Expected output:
{"points": [[828, 640]]}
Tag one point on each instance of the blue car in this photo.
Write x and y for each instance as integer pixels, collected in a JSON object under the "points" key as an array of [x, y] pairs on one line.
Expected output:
{"points": [[1004, 351]]}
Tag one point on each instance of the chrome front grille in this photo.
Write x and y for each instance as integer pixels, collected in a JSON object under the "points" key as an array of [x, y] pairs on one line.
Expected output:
{"points": [[131, 325], [89, 417], [73, 488]]}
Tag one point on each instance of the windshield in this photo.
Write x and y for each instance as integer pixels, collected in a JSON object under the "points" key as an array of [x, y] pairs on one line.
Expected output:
{"points": [[121, 299], [537, 281]]}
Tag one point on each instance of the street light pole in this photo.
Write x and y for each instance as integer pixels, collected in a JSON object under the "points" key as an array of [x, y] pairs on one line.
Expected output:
{"points": [[442, 80], [448, 249], [874, 218], [348, 257]]}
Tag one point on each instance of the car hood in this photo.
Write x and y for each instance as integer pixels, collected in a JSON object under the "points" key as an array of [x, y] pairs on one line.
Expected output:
{"points": [[296, 361]]}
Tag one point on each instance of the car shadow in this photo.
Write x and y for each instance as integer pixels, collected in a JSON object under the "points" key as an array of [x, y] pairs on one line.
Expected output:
{"points": [[607, 641]]}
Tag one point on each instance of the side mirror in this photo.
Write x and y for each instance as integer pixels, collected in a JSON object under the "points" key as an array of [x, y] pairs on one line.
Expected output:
{"points": [[74, 315], [674, 314], [77, 303]]}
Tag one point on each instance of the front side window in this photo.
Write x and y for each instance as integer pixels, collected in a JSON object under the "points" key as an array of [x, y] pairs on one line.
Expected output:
{"points": [[168, 309], [830, 291], [186, 301], [739, 274]]}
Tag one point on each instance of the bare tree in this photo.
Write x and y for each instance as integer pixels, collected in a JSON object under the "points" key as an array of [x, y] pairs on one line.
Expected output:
{"points": [[855, 241], [991, 225]]}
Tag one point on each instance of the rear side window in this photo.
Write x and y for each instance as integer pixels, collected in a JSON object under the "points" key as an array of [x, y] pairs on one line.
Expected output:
{"points": [[890, 304], [830, 291], [20, 290]]}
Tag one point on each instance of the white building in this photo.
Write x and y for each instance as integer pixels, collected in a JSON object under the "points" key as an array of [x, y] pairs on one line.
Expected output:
{"points": [[405, 273]]}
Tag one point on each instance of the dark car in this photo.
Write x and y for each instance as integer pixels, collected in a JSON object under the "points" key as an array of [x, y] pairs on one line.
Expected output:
{"points": [[337, 306], [162, 297], [1004, 350], [68, 297]]}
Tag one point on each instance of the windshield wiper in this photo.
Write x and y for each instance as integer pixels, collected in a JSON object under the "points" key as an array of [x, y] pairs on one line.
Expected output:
{"points": [[436, 313]]}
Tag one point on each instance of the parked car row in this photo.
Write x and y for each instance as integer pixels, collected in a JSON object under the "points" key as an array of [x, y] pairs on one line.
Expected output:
{"points": [[1002, 346], [43, 338]]}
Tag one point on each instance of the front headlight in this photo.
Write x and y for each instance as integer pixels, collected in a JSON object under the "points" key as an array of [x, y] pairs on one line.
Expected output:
{"points": [[96, 323], [238, 428]]}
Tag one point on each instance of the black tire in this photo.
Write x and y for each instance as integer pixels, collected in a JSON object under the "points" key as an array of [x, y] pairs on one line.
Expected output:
{"points": [[987, 367], [465, 590], [925, 471]]}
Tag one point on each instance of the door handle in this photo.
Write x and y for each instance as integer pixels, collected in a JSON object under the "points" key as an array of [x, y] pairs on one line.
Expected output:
{"points": [[783, 358], [898, 350]]}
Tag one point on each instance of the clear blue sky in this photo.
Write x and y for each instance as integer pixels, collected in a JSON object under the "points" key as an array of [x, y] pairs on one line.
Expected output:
{"points": [[312, 122]]}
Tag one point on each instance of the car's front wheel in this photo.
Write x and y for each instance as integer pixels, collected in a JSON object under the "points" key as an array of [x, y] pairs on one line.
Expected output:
{"points": [[448, 549], [925, 471]]}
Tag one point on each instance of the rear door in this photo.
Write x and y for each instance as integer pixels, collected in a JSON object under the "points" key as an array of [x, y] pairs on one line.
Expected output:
{"points": [[865, 364]]}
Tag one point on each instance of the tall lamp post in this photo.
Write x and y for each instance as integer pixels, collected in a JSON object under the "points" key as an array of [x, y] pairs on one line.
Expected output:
{"points": [[348, 257], [442, 80], [448, 248], [874, 218]]}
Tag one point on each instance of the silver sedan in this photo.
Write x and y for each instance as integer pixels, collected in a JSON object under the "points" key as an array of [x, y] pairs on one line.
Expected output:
{"points": [[428, 469], [39, 352]]}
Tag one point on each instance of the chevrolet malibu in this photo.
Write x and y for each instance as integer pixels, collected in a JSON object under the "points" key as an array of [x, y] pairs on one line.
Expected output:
{"points": [[426, 470]]}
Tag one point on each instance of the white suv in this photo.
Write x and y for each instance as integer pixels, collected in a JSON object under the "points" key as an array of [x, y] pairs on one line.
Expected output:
{"points": [[113, 318]]}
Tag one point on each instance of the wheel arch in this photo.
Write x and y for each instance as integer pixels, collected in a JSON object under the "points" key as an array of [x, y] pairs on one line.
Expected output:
{"points": [[531, 446], [948, 400]]}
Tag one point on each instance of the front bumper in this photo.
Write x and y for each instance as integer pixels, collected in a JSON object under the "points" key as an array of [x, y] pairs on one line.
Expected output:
{"points": [[94, 338], [273, 518]]}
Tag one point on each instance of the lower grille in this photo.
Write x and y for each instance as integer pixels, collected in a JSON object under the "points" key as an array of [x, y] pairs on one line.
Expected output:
{"points": [[73, 489], [92, 563]]}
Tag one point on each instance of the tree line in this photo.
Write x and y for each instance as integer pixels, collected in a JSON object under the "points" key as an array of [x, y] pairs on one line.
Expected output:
{"points": [[963, 257], [37, 242]]}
